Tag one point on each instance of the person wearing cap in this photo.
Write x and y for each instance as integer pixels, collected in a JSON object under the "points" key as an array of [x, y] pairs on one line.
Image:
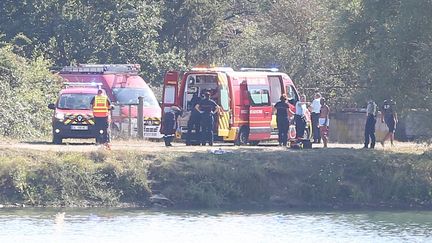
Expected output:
{"points": [[281, 108], [169, 124], [101, 110], [207, 108], [371, 113], [315, 114], [389, 116]]}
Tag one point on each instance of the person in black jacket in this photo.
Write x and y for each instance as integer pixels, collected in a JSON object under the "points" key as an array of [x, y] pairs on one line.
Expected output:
{"points": [[281, 108], [194, 120], [207, 108], [169, 125]]}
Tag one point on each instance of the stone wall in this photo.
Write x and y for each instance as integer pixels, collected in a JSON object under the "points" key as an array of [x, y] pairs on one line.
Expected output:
{"points": [[348, 127]]}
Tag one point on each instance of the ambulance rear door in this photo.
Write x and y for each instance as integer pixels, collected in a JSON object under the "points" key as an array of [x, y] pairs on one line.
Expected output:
{"points": [[170, 90], [260, 110], [225, 111]]}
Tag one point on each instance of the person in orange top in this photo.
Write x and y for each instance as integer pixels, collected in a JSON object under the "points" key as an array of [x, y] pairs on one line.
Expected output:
{"points": [[101, 110]]}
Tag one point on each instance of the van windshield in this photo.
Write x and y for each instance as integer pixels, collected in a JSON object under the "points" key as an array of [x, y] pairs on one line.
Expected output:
{"points": [[75, 101], [128, 96]]}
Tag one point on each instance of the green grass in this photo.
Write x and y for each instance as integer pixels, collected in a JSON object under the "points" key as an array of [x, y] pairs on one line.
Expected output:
{"points": [[343, 178]]}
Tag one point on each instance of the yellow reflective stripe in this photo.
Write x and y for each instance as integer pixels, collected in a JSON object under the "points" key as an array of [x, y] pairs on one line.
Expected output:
{"points": [[100, 104], [223, 127]]}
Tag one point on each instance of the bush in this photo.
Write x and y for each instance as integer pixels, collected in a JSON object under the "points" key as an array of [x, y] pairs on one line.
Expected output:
{"points": [[27, 86]]}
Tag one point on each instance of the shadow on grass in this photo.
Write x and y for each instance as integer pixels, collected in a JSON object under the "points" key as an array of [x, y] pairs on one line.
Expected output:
{"points": [[73, 143]]}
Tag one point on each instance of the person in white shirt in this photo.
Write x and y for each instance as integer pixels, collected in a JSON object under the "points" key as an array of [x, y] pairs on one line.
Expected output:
{"points": [[299, 117], [315, 114]]}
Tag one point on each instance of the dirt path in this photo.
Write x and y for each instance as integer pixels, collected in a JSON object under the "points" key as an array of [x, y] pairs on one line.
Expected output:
{"points": [[146, 146]]}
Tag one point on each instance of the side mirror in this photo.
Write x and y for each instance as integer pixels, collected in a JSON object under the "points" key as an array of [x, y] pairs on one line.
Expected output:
{"points": [[112, 108], [51, 106], [160, 104]]}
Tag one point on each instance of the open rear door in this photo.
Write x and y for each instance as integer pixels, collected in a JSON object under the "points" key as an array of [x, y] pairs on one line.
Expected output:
{"points": [[224, 114], [170, 90]]}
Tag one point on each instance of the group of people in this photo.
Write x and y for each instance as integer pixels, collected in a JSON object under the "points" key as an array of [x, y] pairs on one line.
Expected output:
{"points": [[203, 110], [319, 115], [388, 115]]}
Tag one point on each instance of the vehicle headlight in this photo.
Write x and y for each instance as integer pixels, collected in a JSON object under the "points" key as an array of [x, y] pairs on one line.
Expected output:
{"points": [[60, 116]]}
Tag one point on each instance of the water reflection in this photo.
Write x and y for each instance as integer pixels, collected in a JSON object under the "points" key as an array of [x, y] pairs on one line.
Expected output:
{"points": [[122, 225]]}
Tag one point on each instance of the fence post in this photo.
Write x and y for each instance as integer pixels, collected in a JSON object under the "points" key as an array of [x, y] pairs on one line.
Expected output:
{"points": [[140, 118], [130, 122], [121, 121]]}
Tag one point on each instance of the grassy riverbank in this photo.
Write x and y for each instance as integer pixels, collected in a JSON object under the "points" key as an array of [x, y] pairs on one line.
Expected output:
{"points": [[332, 178]]}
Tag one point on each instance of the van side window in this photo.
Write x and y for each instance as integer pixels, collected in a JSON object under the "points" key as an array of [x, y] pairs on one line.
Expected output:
{"points": [[224, 99], [259, 96]]}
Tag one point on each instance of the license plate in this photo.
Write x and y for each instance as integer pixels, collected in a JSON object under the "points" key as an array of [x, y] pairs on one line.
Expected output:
{"points": [[150, 135], [79, 128]]}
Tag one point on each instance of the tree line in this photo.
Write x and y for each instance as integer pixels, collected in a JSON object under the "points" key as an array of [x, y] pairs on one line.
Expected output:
{"points": [[349, 50]]}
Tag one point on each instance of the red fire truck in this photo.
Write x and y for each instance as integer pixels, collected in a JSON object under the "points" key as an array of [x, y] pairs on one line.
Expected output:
{"points": [[246, 99], [123, 86]]}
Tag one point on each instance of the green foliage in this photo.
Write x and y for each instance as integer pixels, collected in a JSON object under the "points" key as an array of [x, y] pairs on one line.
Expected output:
{"points": [[348, 50], [26, 86], [394, 40], [331, 178]]}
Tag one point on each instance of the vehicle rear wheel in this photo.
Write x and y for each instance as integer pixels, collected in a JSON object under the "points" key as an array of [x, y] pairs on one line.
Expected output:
{"points": [[57, 139], [243, 137]]}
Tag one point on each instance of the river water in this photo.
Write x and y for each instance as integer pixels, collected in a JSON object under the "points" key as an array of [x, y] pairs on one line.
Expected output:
{"points": [[132, 225]]}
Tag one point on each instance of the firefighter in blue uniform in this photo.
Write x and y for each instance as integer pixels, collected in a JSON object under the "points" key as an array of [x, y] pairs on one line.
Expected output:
{"points": [[207, 107], [169, 124], [281, 108], [194, 120]]}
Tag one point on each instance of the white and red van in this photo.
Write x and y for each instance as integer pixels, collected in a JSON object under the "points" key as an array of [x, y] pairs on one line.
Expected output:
{"points": [[246, 98]]}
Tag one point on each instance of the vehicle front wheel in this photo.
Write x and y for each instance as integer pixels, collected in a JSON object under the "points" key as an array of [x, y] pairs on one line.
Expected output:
{"points": [[57, 139]]}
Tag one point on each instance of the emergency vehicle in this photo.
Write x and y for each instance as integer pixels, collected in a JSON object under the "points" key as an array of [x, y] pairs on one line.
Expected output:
{"points": [[246, 99], [73, 114], [123, 86]]}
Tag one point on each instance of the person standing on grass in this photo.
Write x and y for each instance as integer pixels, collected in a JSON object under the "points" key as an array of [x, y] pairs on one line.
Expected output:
{"points": [[207, 108], [282, 122], [324, 121], [371, 112], [389, 116], [315, 114], [194, 122], [169, 125], [101, 106], [300, 119]]}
